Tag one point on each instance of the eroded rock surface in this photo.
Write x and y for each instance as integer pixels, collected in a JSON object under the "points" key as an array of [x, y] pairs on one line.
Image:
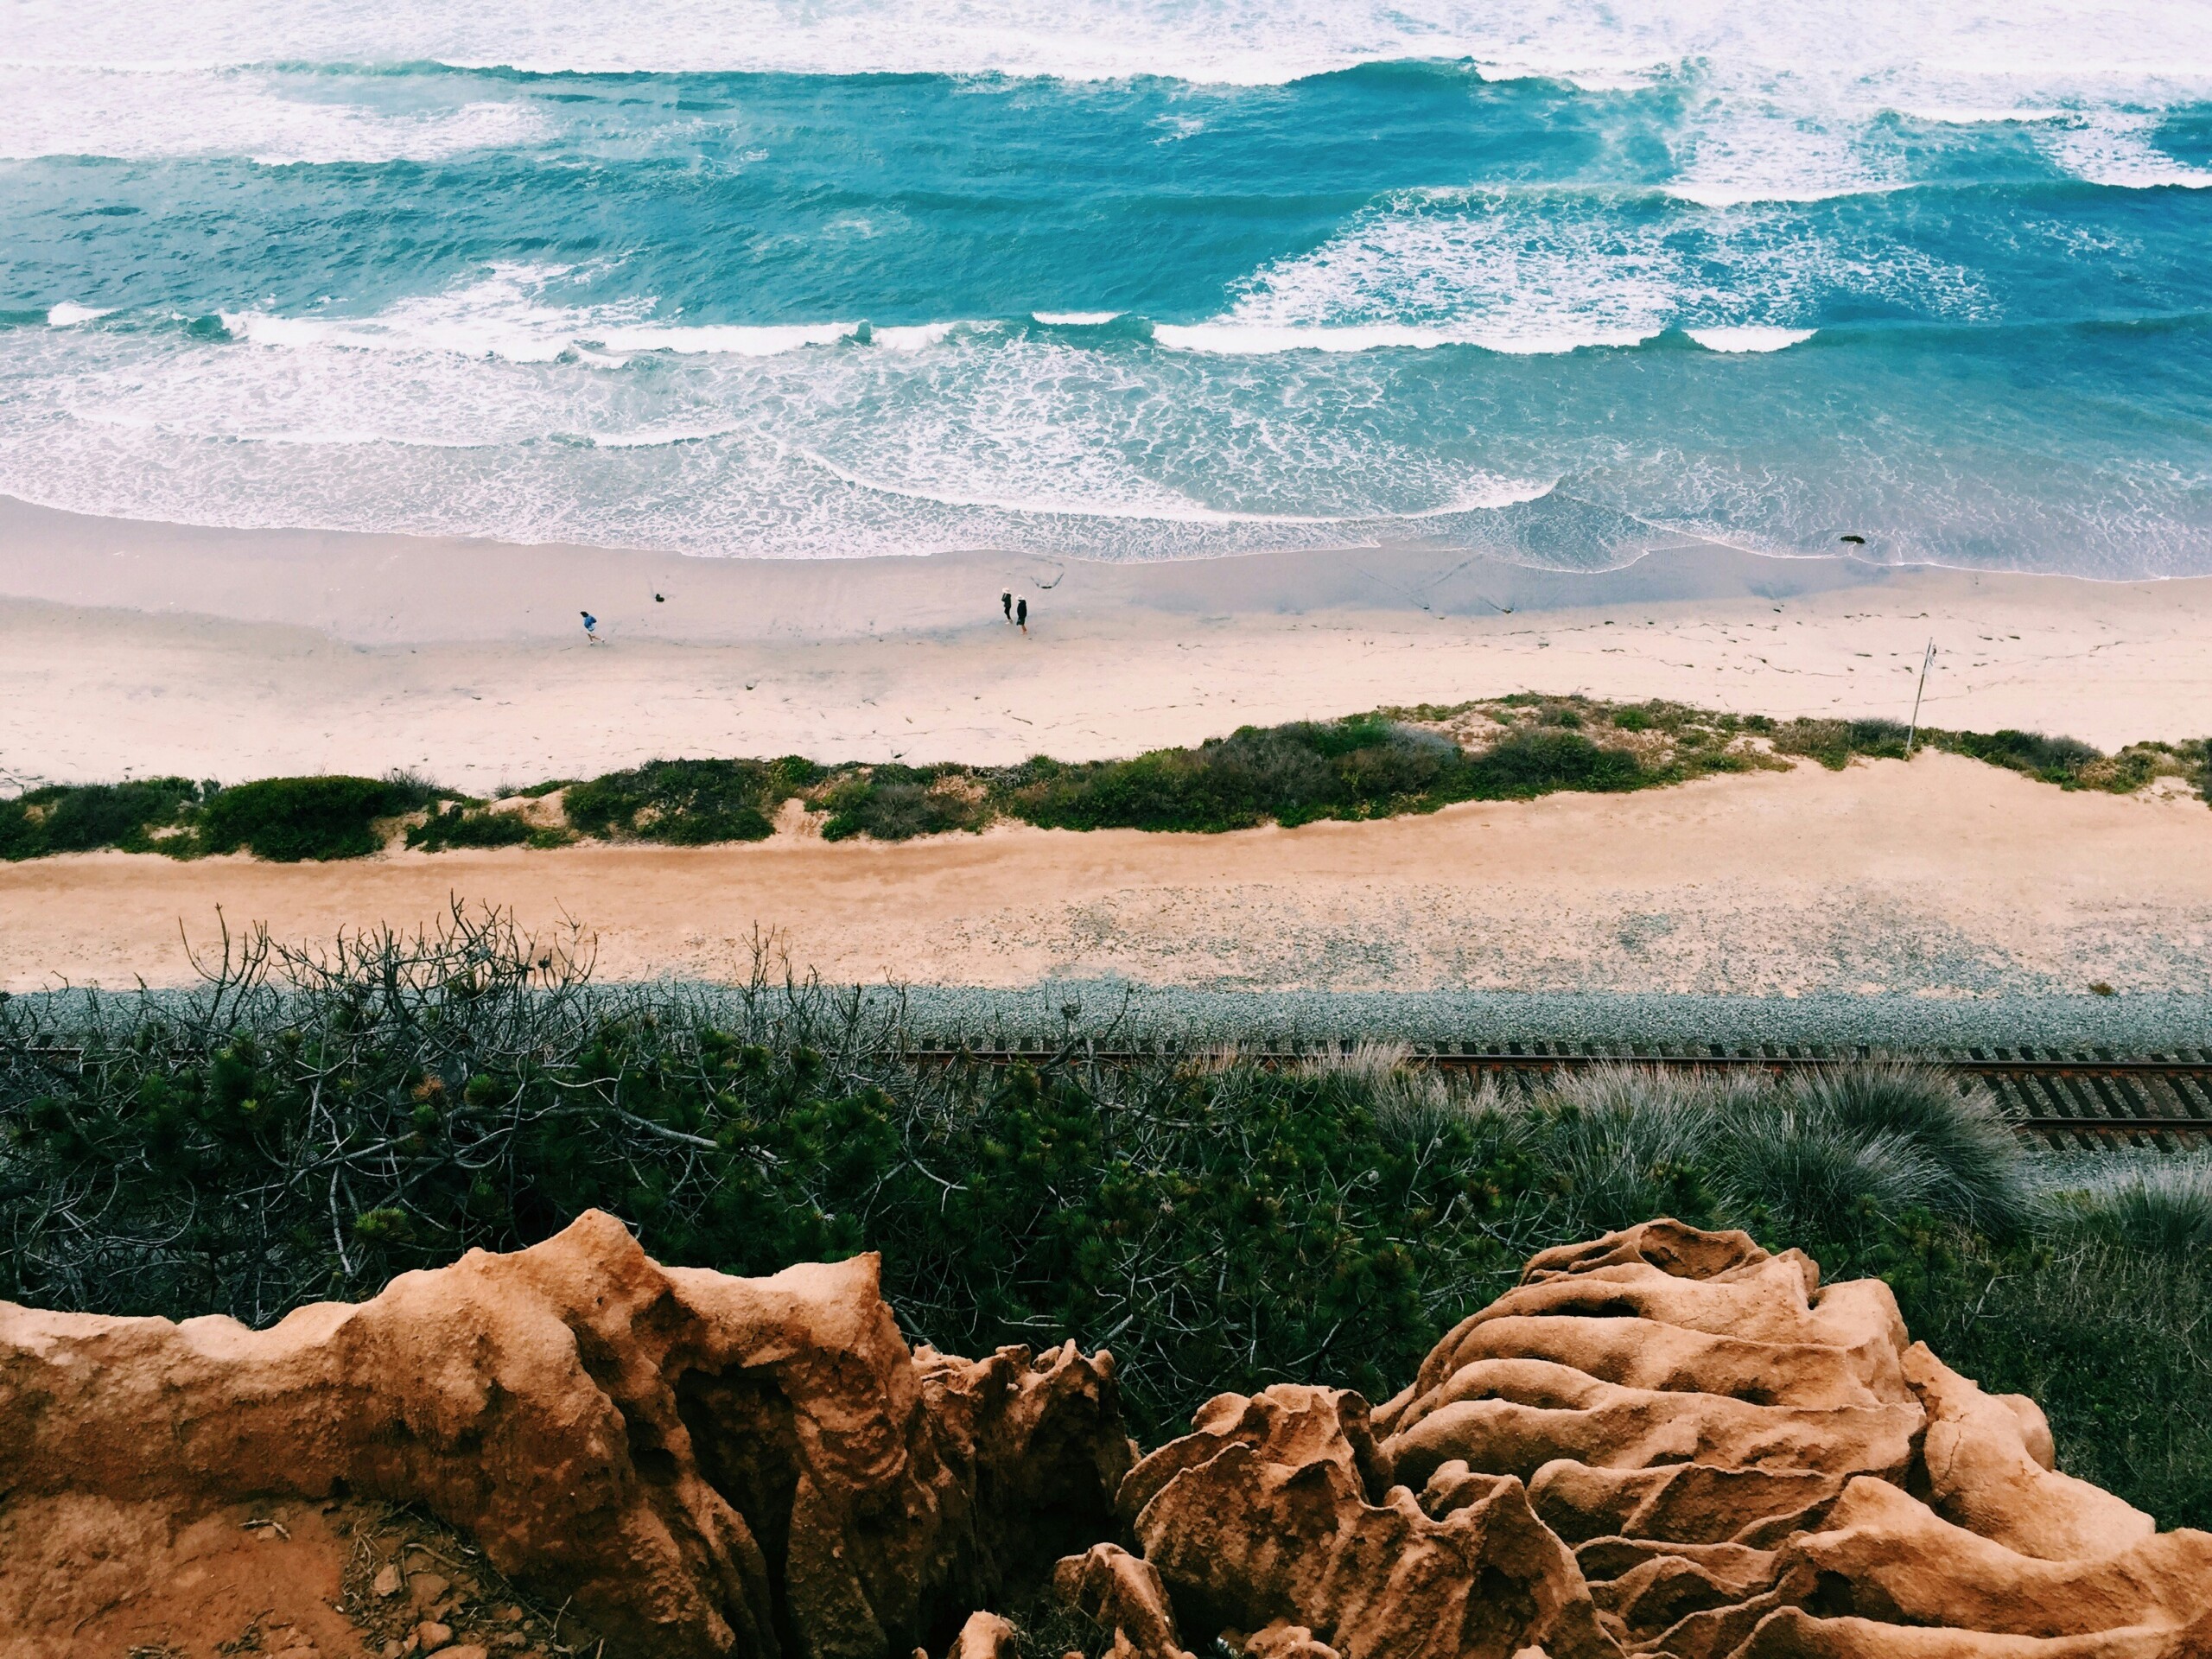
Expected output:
{"points": [[709, 1465], [1666, 1442], [1662, 1442]]}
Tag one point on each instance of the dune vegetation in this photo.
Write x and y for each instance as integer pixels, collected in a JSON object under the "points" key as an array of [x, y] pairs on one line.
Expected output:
{"points": [[307, 1124], [1377, 765]]}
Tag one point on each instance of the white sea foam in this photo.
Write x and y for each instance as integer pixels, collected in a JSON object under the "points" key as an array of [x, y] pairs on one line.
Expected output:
{"points": [[655, 438], [1914, 51], [506, 313], [68, 314], [1750, 339], [1074, 318], [264, 118], [1483, 494], [1537, 272], [2116, 149], [912, 337], [1256, 340], [1782, 101]]}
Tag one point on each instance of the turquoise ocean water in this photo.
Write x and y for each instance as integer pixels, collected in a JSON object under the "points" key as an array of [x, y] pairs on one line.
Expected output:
{"points": [[1558, 281]]}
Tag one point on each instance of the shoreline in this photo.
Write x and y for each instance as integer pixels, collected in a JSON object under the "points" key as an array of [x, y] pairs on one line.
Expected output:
{"points": [[140, 649]]}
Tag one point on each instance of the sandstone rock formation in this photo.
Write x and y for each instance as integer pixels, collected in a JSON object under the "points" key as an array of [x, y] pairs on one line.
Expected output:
{"points": [[1663, 1442], [706, 1464]]}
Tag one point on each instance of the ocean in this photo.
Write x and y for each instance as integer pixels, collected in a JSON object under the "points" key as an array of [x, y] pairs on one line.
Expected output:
{"points": [[1558, 282]]}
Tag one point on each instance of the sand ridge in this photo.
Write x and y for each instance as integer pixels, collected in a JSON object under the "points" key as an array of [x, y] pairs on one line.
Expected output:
{"points": [[1942, 876]]}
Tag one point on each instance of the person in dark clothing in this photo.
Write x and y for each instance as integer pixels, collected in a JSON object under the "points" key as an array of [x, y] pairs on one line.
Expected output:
{"points": [[1006, 604], [1022, 615]]}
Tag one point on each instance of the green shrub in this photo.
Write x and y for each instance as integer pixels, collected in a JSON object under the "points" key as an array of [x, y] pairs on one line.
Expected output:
{"points": [[460, 825], [1833, 742], [896, 803], [2054, 759], [1526, 763], [1288, 775], [1969, 1164], [687, 803], [2163, 1208], [1625, 1146], [23, 829], [289, 819], [80, 819], [117, 815]]}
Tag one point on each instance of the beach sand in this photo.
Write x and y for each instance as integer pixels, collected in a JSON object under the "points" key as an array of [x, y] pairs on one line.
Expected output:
{"points": [[1940, 877], [138, 648], [143, 649]]}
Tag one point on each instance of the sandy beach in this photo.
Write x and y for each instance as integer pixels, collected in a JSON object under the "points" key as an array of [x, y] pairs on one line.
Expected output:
{"points": [[138, 648], [1943, 877], [142, 649]]}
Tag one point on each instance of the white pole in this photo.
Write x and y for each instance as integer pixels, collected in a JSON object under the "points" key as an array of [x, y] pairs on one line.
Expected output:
{"points": [[1913, 730]]}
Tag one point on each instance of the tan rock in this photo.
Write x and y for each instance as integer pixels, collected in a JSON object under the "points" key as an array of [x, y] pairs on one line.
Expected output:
{"points": [[1792, 1633], [985, 1636], [1662, 1442], [1683, 1503], [1281, 1639], [1513, 1417], [1262, 1517], [1123, 1594], [1906, 1564], [1985, 1473], [689, 1455]]}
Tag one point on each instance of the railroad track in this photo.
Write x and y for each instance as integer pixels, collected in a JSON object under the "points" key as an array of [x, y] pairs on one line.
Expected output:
{"points": [[2065, 1099]]}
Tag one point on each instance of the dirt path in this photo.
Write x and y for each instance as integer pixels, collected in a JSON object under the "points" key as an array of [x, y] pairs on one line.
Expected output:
{"points": [[1943, 876]]}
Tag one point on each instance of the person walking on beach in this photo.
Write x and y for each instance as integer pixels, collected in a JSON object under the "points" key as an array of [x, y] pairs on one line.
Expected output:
{"points": [[1021, 617], [591, 627], [1006, 604]]}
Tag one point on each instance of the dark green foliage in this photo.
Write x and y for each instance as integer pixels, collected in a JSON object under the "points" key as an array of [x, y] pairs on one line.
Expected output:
{"points": [[895, 803], [289, 819], [80, 819], [459, 825], [1367, 766], [2066, 761], [687, 803], [1532, 763], [1833, 742], [2163, 1208], [2054, 759], [1833, 1154]]}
